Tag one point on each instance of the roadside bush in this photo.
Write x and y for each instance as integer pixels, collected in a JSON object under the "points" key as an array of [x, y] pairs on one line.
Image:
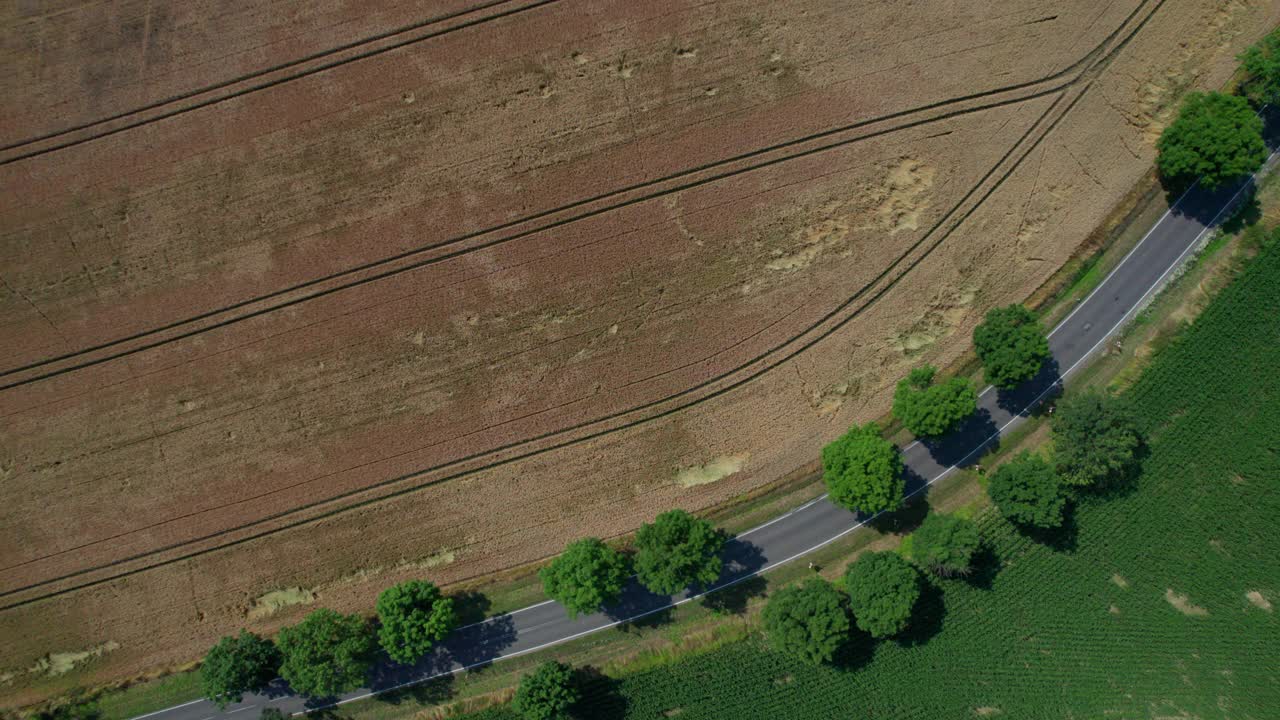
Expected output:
{"points": [[863, 471], [413, 616], [926, 408], [945, 544], [236, 665], [677, 550], [1216, 138], [1095, 438], [883, 589], [1262, 63], [547, 693], [327, 653], [1011, 345], [1028, 491], [808, 621], [586, 576]]}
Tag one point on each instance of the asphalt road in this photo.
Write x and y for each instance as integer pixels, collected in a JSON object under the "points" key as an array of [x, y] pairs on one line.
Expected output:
{"points": [[805, 529]]}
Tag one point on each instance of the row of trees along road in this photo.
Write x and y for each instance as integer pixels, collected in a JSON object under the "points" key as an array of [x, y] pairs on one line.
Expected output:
{"points": [[1215, 139]]}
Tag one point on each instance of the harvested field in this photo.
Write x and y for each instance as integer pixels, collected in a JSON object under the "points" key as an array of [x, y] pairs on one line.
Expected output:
{"points": [[529, 279]]}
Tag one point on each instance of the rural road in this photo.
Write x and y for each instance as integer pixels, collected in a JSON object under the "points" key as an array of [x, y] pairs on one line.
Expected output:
{"points": [[805, 529]]}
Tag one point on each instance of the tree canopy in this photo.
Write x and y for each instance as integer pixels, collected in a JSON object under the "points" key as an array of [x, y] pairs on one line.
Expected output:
{"points": [[1262, 64], [926, 408], [678, 550], [547, 693], [236, 665], [1011, 345], [945, 544], [270, 713], [413, 616], [863, 471], [587, 575], [807, 621], [1028, 492], [1095, 438], [1216, 138], [883, 589], [327, 653]]}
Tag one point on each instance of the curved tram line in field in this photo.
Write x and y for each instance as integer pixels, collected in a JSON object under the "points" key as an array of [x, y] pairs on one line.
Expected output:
{"points": [[576, 211], [661, 408]]}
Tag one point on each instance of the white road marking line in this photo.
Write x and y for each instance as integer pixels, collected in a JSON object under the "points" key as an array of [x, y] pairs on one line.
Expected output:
{"points": [[174, 707], [247, 707]]}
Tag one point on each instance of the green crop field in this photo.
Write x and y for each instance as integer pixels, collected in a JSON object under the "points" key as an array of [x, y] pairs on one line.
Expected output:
{"points": [[1156, 603]]}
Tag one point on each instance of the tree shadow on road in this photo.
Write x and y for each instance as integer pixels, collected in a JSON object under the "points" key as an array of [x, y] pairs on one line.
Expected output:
{"points": [[733, 600], [903, 520]]}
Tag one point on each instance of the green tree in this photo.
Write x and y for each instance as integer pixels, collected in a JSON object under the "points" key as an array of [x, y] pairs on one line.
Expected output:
{"points": [[929, 409], [1094, 438], [863, 471], [327, 653], [945, 544], [1216, 138], [883, 589], [1028, 491], [587, 575], [807, 621], [1011, 345], [236, 665], [1262, 63], [676, 551], [270, 713], [413, 616], [547, 693]]}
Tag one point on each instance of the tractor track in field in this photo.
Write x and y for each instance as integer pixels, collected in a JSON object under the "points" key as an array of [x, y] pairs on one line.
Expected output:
{"points": [[664, 407], [319, 62], [567, 214]]}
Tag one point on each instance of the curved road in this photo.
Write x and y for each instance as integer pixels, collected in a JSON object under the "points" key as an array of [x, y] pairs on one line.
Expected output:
{"points": [[809, 527]]}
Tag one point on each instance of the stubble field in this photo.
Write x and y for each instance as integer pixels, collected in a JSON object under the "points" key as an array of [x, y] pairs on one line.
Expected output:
{"points": [[439, 305]]}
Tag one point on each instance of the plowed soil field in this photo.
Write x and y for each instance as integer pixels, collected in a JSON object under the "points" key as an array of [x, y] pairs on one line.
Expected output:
{"points": [[327, 299]]}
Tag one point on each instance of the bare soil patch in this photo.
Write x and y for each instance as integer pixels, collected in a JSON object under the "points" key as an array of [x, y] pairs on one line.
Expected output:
{"points": [[1183, 604]]}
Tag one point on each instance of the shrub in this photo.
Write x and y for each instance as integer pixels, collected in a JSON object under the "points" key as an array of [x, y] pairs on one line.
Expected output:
{"points": [[547, 693], [807, 621], [1216, 138], [1011, 345], [945, 544], [237, 665], [676, 551], [863, 471], [929, 409], [1094, 438], [1262, 63], [1028, 492], [413, 616], [883, 589], [587, 575]]}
